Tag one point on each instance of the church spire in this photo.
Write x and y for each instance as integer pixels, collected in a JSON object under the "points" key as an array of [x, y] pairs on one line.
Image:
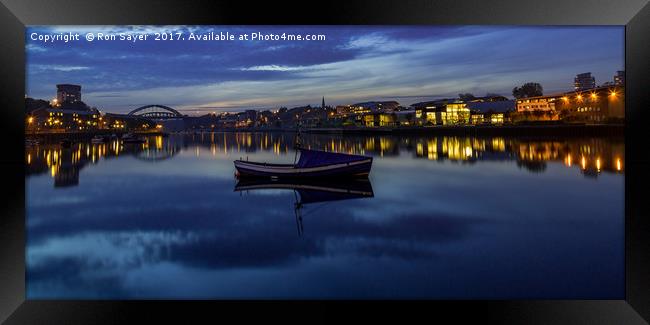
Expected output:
{"points": [[323, 105]]}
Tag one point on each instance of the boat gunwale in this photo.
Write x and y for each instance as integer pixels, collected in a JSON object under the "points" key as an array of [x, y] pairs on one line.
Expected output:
{"points": [[298, 170], [270, 165]]}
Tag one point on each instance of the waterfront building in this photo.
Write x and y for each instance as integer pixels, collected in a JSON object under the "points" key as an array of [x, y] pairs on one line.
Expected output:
{"points": [[539, 103], [442, 112], [246, 118], [374, 106], [595, 105], [491, 111], [584, 81], [66, 93], [379, 119], [358, 110], [405, 118], [619, 78], [598, 105], [494, 118], [67, 112], [497, 118], [266, 118], [477, 118], [126, 122], [66, 119], [454, 113], [295, 116], [362, 109], [342, 110]]}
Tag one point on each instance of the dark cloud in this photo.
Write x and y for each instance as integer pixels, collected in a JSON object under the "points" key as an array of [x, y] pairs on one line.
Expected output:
{"points": [[442, 59]]}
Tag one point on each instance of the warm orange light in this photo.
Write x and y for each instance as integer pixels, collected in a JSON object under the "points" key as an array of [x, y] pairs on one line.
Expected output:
{"points": [[613, 93], [598, 164], [30, 120], [618, 164], [566, 99], [584, 163], [594, 96], [579, 97], [568, 160]]}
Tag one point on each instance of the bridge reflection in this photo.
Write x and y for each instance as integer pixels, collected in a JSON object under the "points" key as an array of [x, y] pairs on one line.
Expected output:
{"points": [[592, 156]]}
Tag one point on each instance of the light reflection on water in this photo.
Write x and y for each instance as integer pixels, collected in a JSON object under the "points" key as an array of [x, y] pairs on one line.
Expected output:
{"points": [[449, 217]]}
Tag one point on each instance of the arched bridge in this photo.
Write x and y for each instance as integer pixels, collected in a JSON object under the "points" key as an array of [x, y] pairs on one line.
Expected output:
{"points": [[156, 112]]}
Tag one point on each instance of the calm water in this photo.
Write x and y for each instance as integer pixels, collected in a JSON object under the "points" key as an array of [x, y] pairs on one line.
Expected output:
{"points": [[442, 217]]}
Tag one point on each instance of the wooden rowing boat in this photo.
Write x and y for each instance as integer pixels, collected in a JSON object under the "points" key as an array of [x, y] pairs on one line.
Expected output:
{"points": [[312, 163]]}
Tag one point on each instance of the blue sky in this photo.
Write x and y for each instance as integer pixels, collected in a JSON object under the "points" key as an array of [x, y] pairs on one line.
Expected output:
{"points": [[354, 64]]}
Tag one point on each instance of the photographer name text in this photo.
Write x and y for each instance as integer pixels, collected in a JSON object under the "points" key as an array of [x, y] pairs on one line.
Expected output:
{"points": [[171, 36]]}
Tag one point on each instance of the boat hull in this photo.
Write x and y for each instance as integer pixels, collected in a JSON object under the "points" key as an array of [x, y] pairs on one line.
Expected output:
{"points": [[349, 169], [312, 190]]}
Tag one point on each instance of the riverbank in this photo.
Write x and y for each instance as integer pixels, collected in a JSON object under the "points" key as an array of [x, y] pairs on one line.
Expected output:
{"points": [[468, 130]]}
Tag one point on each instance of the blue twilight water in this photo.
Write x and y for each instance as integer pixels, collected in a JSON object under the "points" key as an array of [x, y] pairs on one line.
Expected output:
{"points": [[442, 217]]}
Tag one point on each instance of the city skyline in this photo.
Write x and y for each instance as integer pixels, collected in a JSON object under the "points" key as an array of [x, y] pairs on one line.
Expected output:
{"points": [[354, 64]]}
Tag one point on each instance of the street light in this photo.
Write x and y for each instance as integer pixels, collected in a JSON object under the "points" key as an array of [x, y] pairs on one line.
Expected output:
{"points": [[30, 120]]}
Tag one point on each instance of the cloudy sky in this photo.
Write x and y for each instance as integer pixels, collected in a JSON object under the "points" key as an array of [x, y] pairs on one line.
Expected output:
{"points": [[353, 64]]}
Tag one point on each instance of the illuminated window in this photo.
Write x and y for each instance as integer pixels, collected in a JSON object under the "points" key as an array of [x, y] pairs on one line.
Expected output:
{"points": [[431, 117]]}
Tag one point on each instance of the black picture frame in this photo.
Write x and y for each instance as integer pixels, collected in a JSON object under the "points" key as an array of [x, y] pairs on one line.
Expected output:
{"points": [[16, 14]]}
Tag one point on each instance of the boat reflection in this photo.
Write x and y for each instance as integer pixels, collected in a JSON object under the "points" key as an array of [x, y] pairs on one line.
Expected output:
{"points": [[311, 191]]}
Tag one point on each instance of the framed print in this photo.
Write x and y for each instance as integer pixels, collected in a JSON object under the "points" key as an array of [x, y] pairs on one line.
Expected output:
{"points": [[174, 160]]}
